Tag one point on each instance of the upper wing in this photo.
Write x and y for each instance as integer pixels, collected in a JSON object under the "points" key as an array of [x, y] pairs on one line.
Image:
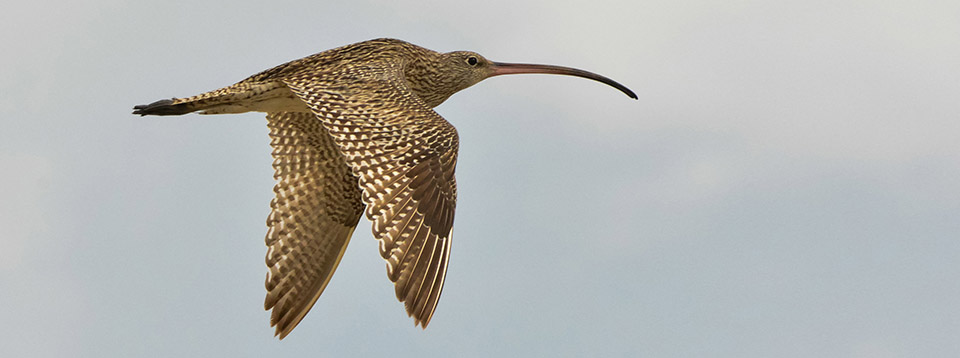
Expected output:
{"points": [[405, 155], [316, 209]]}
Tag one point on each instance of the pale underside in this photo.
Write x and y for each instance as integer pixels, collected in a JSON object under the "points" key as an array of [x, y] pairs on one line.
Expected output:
{"points": [[340, 146]]}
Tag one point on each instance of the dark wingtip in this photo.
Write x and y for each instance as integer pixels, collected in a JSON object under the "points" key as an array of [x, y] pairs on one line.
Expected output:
{"points": [[163, 107]]}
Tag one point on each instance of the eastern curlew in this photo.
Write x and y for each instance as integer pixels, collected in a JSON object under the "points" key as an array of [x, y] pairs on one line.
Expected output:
{"points": [[353, 128]]}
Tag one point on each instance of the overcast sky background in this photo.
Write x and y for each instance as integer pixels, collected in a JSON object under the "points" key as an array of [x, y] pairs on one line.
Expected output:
{"points": [[786, 185]]}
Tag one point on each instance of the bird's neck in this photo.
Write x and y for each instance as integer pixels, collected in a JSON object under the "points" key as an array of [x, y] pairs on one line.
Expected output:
{"points": [[425, 81]]}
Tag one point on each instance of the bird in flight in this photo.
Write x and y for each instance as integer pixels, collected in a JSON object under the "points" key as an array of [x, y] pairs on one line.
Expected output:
{"points": [[353, 132]]}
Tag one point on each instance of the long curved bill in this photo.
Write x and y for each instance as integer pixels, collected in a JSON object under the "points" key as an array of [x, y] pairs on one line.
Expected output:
{"points": [[500, 68]]}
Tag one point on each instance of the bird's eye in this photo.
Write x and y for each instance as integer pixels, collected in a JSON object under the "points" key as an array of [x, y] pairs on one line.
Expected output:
{"points": [[472, 61]]}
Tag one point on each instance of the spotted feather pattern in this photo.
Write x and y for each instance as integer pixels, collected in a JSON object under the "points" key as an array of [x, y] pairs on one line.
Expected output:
{"points": [[352, 128], [316, 208], [404, 154]]}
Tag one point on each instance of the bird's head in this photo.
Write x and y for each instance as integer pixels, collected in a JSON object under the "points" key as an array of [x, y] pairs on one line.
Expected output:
{"points": [[465, 68]]}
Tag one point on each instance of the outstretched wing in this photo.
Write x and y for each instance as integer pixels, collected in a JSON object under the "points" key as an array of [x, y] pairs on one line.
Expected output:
{"points": [[317, 207], [405, 155]]}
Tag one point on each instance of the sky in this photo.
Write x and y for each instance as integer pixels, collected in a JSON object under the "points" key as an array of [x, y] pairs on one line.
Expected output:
{"points": [[785, 186]]}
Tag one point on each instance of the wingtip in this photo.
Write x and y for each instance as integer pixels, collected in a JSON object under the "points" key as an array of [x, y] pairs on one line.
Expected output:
{"points": [[421, 324], [420, 320]]}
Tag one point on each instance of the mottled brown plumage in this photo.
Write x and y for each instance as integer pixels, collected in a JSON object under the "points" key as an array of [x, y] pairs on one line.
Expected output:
{"points": [[353, 128]]}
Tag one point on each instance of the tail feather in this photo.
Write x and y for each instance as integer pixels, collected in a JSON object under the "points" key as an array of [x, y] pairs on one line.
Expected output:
{"points": [[239, 98], [164, 107]]}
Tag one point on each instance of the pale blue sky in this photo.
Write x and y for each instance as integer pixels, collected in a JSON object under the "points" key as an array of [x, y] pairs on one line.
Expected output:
{"points": [[786, 185]]}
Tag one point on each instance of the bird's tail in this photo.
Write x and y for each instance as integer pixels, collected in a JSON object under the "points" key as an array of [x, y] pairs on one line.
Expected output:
{"points": [[238, 98], [165, 107], [202, 102]]}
